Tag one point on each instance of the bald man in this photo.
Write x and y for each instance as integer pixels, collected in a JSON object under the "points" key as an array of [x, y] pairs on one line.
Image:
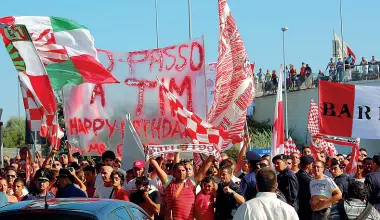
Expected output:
{"points": [[103, 191]]}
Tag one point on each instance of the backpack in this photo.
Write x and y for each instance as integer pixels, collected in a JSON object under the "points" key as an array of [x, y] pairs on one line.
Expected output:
{"points": [[364, 215]]}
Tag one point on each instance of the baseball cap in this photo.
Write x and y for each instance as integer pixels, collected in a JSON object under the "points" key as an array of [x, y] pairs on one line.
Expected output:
{"points": [[138, 164]]}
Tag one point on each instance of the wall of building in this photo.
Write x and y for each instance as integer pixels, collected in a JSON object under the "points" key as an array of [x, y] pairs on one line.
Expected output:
{"points": [[298, 109]]}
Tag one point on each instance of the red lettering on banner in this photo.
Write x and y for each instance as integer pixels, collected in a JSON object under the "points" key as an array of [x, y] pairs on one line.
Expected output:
{"points": [[98, 125], [100, 148], [177, 67], [176, 130], [145, 122], [119, 150], [171, 56], [136, 125], [110, 58], [201, 56], [156, 57], [186, 84], [169, 130], [111, 127], [132, 61], [87, 125], [244, 98], [81, 127], [155, 128], [73, 124], [141, 84], [98, 90]]}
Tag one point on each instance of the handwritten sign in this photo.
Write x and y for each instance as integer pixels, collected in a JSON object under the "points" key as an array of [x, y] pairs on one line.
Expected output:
{"points": [[95, 113]]}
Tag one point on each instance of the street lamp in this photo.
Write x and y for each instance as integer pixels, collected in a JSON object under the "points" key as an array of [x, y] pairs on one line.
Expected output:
{"points": [[286, 96]]}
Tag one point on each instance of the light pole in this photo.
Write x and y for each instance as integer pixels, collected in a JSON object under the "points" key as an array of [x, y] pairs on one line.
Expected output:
{"points": [[341, 33], [157, 39], [189, 11], [286, 92]]}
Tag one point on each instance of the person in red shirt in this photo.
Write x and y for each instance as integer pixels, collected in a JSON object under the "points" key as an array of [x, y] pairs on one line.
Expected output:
{"points": [[204, 201], [303, 72], [118, 192], [90, 175]]}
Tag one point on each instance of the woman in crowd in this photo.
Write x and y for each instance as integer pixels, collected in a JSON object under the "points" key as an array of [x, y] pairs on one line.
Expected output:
{"points": [[4, 188], [118, 192], [324, 192]]}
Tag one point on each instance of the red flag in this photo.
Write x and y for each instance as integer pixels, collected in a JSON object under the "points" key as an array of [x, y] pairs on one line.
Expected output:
{"points": [[234, 89], [278, 124], [198, 130]]}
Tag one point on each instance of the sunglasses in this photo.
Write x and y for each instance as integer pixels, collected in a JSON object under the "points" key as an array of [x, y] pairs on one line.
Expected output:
{"points": [[289, 163], [11, 176], [364, 155], [42, 181], [360, 166]]}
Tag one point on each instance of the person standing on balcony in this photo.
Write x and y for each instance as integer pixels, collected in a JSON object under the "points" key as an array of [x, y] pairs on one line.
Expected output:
{"points": [[339, 68], [374, 65], [293, 75], [302, 73], [364, 65], [331, 67]]}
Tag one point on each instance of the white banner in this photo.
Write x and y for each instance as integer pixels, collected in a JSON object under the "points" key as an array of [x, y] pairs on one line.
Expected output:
{"points": [[209, 149]]}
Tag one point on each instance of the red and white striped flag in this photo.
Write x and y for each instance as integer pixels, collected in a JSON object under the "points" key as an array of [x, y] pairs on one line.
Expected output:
{"points": [[38, 119], [198, 130], [278, 122], [234, 89], [313, 119], [290, 147]]}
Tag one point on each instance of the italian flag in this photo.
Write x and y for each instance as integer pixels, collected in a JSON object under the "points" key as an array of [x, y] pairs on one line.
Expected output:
{"points": [[66, 49]]}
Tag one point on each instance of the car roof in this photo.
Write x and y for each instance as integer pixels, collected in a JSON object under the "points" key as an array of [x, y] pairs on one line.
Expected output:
{"points": [[90, 206]]}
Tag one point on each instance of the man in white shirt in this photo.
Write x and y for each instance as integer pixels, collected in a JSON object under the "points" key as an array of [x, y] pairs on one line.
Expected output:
{"points": [[108, 158], [266, 206], [103, 191]]}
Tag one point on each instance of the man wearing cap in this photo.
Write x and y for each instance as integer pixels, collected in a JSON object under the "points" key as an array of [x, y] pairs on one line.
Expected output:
{"points": [[66, 187], [42, 178], [248, 183], [304, 178], [372, 180], [138, 171], [287, 180]]}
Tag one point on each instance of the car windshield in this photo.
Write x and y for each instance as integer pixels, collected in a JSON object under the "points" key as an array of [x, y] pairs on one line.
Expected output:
{"points": [[45, 216]]}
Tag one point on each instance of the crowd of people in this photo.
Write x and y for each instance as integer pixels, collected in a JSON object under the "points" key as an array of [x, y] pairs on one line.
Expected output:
{"points": [[296, 186], [339, 71]]}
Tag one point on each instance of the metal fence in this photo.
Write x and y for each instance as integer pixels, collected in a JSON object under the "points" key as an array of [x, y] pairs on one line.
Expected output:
{"points": [[351, 73]]}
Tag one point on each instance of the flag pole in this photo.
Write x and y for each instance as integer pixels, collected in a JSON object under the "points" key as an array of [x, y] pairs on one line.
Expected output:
{"points": [[189, 11], [18, 98], [157, 39], [286, 93]]}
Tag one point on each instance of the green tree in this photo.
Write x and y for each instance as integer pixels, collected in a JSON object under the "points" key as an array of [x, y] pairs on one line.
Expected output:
{"points": [[14, 132]]}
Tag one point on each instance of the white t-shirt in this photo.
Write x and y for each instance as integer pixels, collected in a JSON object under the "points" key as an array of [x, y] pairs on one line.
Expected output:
{"points": [[103, 192], [99, 181], [131, 186], [323, 187]]}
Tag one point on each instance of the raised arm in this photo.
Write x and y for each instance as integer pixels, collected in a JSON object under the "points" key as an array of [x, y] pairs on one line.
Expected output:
{"points": [[243, 151], [160, 172], [48, 159], [198, 177]]}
